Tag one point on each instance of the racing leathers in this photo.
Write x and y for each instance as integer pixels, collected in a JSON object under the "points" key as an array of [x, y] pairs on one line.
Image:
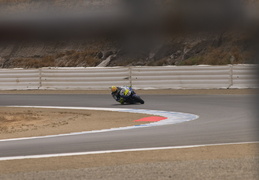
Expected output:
{"points": [[122, 94]]}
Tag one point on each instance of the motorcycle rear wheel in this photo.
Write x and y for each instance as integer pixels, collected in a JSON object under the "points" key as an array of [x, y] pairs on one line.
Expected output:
{"points": [[138, 99]]}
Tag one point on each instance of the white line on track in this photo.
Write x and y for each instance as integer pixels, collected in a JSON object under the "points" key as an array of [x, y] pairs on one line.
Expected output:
{"points": [[117, 151]]}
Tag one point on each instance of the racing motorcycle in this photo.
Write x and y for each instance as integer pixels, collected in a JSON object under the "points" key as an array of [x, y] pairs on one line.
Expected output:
{"points": [[128, 96]]}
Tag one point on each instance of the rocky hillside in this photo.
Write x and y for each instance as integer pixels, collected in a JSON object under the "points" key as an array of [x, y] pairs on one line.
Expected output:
{"points": [[83, 40]]}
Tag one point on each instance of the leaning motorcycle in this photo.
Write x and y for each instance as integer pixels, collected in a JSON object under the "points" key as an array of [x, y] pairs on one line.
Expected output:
{"points": [[130, 97]]}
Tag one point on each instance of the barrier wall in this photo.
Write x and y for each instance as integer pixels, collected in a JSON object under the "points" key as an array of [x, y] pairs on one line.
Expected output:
{"points": [[176, 77], [86, 78], [157, 77], [19, 79], [245, 76]]}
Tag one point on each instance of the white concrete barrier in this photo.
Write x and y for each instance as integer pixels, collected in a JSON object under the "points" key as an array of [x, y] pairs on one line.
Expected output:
{"points": [[83, 78], [19, 79], [157, 77], [178, 77], [245, 76]]}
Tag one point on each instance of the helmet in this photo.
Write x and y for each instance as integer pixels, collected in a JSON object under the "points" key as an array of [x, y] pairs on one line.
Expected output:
{"points": [[114, 88]]}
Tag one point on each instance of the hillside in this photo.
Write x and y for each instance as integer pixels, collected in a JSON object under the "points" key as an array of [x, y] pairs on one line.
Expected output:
{"points": [[83, 33]]}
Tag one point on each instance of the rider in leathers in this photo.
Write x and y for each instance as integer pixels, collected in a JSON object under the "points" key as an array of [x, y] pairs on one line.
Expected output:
{"points": [[120, 93]]}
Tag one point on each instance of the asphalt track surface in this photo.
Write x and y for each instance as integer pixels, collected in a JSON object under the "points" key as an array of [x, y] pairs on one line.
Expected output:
{"points": [[222, 119]]}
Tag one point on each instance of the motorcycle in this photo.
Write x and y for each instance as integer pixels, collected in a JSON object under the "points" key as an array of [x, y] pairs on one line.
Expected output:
{"points": [[128, 96]]}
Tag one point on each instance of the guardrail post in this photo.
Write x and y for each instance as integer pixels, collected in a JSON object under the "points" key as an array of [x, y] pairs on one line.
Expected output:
{"points": [[40, 80], [230, 76], [130, 74]]}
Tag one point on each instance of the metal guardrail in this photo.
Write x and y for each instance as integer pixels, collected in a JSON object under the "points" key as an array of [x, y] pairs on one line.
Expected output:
{"points": [[156, 77], [177, 77], [245, 76], [19, 79]]}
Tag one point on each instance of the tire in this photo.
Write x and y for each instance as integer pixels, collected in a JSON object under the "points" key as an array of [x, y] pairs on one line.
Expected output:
{"points": [[138, 99]]}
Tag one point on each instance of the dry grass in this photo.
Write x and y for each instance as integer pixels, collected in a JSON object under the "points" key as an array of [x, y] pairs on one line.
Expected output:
{"points": [[89, 58], [74, 58], [70, 58], [219, 56], [47, 61]]}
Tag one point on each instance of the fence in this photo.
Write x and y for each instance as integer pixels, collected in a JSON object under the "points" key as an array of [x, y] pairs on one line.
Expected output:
{"points": [[157, 77]]}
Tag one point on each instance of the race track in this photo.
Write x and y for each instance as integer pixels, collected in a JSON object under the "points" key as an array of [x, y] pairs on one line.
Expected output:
{"points": [[222, 119]]}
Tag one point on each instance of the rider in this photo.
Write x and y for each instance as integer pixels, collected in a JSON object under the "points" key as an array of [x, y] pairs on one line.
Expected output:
{"points": [[121, 93]]}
